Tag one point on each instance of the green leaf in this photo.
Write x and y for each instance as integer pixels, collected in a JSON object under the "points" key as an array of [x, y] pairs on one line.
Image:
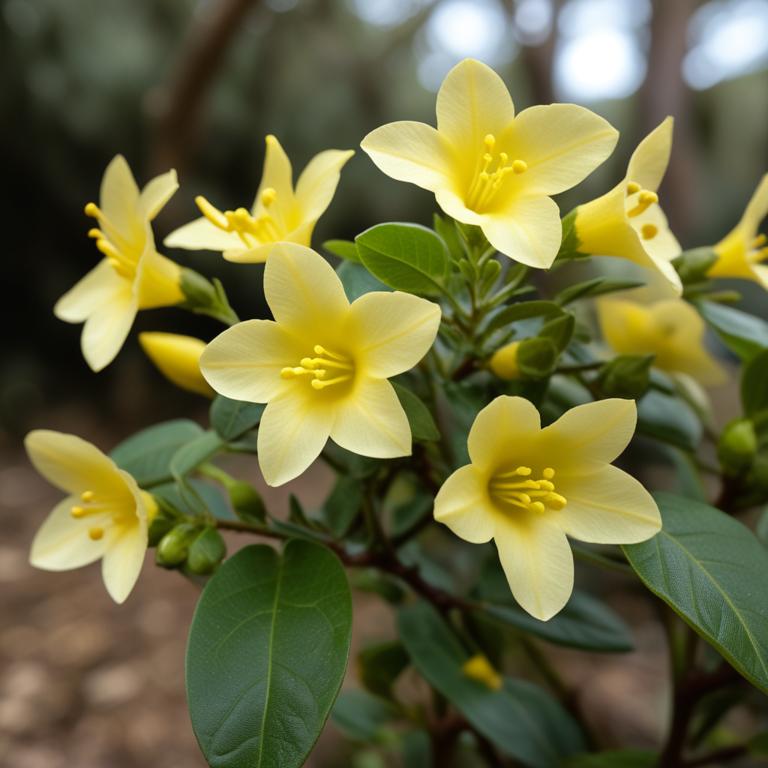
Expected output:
{"points": [[446, 229], [627, 376], [423, 426], [266, 656], [754, 384], [668, 419], [523, 310], [623, 758], [379, 666], [206, 552], [203, 496], [598, 286], [147, 454], [193, 454], [407, 257], [693, 265], [344, 249], [521, 718], [709, 568], [357, 280], [584, 623], [745, 335], [559, 330], [361, 715], [343, 504], [233, 418], [537, 357]]}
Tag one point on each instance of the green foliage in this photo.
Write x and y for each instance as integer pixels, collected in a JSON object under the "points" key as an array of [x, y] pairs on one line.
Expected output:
{"points": [[344, 249], [745, 335], [267, 650], [343, 505], [357, 280], [754, 384], [627, 376], [233, 418], [669, 420], [406, 257], [379, 666], [423, 427], [598, 286], [206, 551], [706, 566], [362, 716]]}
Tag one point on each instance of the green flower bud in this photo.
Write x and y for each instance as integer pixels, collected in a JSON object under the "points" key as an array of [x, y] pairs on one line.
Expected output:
{"points": [[626, 376], [247, 502], [206, 552], [737, 447], [173, 548]]}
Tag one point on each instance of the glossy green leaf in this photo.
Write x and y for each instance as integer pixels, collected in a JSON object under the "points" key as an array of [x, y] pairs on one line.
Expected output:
{"points": [[362, 716], [711, 570], [406, 257], [446, 228], [343, 504], [147, 454], [598, 286], [668, 419], [233, 418], [744, 334], [195, 453], [266, 656], [754, 384], [344, 249], [524, 310], [521, 719], [423, 426], [379, 666], [357, 280]]}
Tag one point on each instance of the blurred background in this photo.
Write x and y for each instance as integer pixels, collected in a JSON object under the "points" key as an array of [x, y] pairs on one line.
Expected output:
{"points": [[196, 85]]}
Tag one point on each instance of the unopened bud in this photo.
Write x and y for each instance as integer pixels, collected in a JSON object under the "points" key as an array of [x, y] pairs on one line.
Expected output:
{"points": [[737, 447], [173, 548], [178, 359], [480, 669], [504, 362], [206, 552], [627, 376]]}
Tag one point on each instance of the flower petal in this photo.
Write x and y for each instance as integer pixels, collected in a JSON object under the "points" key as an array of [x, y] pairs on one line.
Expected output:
{"points": [[201, 235], [472, 102], [757, 209], [244, 362], [528, 230], [561, 144], [462, 504], [391, 331], [590, 434], [650, 159], [504, 422], [318, 181], [123, 560], [412, 152], [303, 292], [256, 255], [63, 543], [119, 196], [157, 193], [73, 464], [89, 293], [277, 175], [537, 562], [607, 507], [158, 281], [293, 431], [454, 206], [107, 328], [372, 422]]}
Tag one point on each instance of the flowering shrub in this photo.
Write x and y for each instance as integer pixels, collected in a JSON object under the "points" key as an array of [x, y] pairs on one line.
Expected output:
{"points": [[460, 397]]}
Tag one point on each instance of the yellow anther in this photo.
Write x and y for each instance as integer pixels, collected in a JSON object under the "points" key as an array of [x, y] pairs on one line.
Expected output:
{"points": [[268, 197], [528, 493], [537, 506], [78, 512], [633, 187], [649, 231], [87, 496], [519, 166], [320, 383], [480, 669], [761, 239], [489, 141], [96, 533], [92, 210], [95, 233], [645, 199], [548, 473], [213, 214], [524, 471], [503, 158]]}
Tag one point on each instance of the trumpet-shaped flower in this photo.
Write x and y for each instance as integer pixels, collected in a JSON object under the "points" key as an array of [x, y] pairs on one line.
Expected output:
{"points": [[132, 275], [104, 515], [671, 330], [178, 359], [628, 221], [492, 168], [322, 365], [742, 251], [279, 213], [528, 487]]}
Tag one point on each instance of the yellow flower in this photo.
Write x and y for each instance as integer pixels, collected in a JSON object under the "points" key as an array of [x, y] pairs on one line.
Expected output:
{"points": [[178, 359], [628, 221], [742, 251], [278, 214], [491, 168], [671, 330], [132, 275], [504, 362], [528, 487], [104, 515], [322, 365]]}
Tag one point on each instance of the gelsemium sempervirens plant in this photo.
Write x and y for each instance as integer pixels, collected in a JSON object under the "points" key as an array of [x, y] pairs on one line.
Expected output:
{"points": [[508, 439]]}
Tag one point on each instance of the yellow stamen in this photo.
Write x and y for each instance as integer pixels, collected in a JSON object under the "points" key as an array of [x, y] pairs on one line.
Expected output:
{"points": [[649, 231], [488, 180], [248, 228], [645, 199], [96, 234], [519, 166], [317, 368], [268, 197], [96, 533], [761, 239], [87, 496], [92, 210], [633, 187], [213, 214], [77, 512], [528, 493]]}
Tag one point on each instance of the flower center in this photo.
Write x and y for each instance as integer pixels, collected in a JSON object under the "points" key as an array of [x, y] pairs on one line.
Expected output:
{"points": [[757, 251], [518, 488], [325, 370], [104, 513], [121, 254], [638, 201], [252, 230], [491, 170]]}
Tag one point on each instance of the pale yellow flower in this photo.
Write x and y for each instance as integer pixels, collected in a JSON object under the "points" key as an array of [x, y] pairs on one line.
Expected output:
{"points": [[322, 365], [528, 487], [279, 213], [132, 275], [492, 168], [671, 330], [178, 359], [104, 516], [742, 251], [628, 221]]}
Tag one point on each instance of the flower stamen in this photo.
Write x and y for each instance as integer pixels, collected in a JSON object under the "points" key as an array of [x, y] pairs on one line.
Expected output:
{"points": [[645, 199], [317, 368], [649, 231], [249, 228], [486, 182], [518, 489], [118, 256]]}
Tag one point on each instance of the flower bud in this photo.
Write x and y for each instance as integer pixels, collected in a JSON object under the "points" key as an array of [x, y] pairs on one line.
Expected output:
{"points": [[247, 502], [206, 552], [693, 265], [178, 359], [198, 291], [173, 548], [626, 376], [737, 447], [504, 362]]}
